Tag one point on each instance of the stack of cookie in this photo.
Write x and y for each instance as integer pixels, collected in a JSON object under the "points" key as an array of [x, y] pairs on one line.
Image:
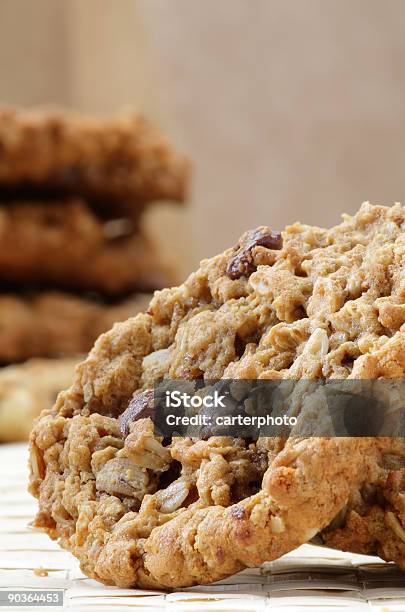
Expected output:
{"points": [[73, 255]]}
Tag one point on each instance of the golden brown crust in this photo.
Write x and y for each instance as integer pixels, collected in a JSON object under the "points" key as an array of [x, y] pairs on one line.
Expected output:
{"points": [[63, 244], [121, 162], [315, 308], [373, 519], [51, 323]]}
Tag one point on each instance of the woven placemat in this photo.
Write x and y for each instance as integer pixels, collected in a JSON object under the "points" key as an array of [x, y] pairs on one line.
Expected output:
{"points": [[309, 578]]}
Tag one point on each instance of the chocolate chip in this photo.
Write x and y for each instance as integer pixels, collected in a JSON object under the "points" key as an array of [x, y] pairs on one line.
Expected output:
{"points": [[242, 264], [140, 407]]}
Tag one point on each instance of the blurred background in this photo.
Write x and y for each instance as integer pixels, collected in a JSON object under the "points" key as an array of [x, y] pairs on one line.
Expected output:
{"points": [[288, 110]]}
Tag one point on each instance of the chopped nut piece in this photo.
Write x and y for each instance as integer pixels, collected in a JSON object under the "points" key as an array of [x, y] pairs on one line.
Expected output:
{"points": [[100, 458], [121, 476], [171, 499], [318, 344], [277, 524], [395, 525], [140, 407], [144, 449], [37, 462]]}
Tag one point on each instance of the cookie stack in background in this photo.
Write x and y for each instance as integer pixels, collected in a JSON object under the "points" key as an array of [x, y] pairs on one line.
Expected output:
{"points": [[74, 257]]}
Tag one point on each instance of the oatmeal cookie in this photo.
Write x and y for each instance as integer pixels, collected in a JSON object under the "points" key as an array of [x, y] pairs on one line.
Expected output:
{"points": [[119, 162], [28, 388], [65, 245], [309, 303], [372, 522], [52, 323]]}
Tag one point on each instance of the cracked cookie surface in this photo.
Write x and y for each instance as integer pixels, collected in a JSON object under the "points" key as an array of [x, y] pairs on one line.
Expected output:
{"points": [[312, 303]]}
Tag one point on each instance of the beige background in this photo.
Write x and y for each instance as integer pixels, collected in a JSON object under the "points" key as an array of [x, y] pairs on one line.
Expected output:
{"points": [[289, 109]]}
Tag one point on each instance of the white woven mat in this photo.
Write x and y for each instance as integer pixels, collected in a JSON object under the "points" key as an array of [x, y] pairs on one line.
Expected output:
{"points": [[310, 578]]}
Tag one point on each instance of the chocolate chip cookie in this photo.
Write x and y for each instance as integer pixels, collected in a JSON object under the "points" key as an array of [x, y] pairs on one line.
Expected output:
{"points": [[118, 163], [26, 389], [139, 510], [64, 245], [53, 323]]}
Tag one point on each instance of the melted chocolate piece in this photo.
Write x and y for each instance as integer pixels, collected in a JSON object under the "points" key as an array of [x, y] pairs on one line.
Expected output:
{"points": [[242, 264]]}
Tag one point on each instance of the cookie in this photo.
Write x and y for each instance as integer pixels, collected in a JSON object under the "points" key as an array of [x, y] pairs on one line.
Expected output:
{"points": [[26, 389], [52, 323], [372, 521], [136, 510], [63, 244], [119, 163]]}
